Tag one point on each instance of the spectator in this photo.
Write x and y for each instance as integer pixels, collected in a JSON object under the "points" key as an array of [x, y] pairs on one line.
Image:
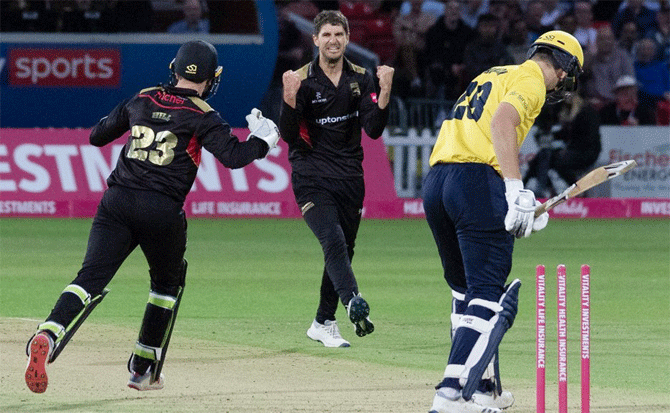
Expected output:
{"points": [[604, 68], [27, 16], [567, 23], [514, 11], [568, 134], [635, 10], [84, 16], [653, 76], [534, 12], [554, 10], [193, 21], [629, 36], [501, 9], [233, 17], [585, 31], [518, 41], [121, 16], [486, 50], [661, 32], [409, 31], [444, 53], [471, 10], [605, 10], [625, 110], [433, 7]]}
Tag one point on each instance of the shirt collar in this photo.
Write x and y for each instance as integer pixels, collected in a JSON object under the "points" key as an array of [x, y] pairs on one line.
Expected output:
{"points": [[314, 68], [180, 91]]}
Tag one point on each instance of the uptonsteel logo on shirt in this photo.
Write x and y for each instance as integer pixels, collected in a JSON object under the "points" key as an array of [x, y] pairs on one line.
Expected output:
{"points": [[336, 119]]}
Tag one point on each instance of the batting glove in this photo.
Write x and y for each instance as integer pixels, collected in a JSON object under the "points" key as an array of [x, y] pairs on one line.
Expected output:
{"points": [[262, 128], [520, 209], [541, 221]]}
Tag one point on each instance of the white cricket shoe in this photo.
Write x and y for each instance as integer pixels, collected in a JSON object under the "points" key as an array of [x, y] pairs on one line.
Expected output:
{"points": [[327, 333], [502, 401], [142, 382], [448, 400]]}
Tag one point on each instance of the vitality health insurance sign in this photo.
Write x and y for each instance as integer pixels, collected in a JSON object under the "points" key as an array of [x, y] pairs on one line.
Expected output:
{"points": [[56, 172]]}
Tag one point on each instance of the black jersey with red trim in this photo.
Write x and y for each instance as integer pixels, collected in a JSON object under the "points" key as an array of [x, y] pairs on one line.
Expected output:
{"points": [[324, 130], [168, 128]]}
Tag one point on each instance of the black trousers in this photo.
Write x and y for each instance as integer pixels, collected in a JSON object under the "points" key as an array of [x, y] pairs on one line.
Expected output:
{"points": [[332, 209], [125, 219]]}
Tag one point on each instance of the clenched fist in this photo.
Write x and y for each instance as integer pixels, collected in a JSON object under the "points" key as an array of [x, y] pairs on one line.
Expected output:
{"points": [[385, 75], [291, 82]]}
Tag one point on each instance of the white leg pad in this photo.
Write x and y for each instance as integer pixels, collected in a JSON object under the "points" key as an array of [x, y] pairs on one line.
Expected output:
{"points": [[483, 327]]}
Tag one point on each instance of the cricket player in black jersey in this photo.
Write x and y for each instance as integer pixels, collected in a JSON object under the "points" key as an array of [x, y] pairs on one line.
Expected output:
{"points": [[169, 125], [325, 105]]}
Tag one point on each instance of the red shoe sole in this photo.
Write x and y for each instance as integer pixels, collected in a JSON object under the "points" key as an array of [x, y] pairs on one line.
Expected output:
{"points": [[36, 373]]}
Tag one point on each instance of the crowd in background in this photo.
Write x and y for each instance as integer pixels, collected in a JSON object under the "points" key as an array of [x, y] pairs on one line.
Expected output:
{"points": [[129, 16], [436, 47]]}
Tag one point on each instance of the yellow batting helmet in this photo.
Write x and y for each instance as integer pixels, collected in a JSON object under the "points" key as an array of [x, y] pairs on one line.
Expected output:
{"points": [[566, 51]]}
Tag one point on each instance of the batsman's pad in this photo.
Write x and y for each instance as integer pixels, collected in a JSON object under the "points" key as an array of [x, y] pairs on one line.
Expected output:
{"points": [[489, 340], [64, 334], [458, 307]]}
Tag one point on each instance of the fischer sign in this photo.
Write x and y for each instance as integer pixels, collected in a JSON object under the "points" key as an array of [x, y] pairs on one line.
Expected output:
{"points": [[65, 67]]}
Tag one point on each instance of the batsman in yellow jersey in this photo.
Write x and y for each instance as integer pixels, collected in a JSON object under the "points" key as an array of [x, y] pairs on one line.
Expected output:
{"points": [[476, 205]]}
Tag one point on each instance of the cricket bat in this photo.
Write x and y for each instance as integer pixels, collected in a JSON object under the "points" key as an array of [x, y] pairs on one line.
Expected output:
{"points": [[591, 179]]}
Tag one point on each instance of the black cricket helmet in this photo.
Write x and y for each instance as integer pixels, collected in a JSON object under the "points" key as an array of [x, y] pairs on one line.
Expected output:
{"points": [[567, 54], [197, 61]]}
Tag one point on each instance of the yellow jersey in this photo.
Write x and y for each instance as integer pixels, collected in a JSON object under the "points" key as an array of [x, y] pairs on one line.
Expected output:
{"points": [[465, 136]]}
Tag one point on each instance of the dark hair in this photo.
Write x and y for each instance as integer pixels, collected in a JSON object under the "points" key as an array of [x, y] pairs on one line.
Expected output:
{"points": [[332, 17]]}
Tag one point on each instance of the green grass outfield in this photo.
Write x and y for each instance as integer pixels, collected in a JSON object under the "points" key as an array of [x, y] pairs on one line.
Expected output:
{"points": [[256, 282]]}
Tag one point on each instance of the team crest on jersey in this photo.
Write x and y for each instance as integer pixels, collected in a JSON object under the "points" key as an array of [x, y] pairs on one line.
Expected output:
{"points": [[355, 89], [318, 98], [373, 96], [160, 116]]}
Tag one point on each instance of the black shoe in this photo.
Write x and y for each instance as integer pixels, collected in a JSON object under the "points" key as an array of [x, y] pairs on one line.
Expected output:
{"points": [[358, 311]]}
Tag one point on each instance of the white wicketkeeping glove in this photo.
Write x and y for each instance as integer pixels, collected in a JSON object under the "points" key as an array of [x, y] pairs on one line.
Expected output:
{"points": [[262, 128], [519, 220]]}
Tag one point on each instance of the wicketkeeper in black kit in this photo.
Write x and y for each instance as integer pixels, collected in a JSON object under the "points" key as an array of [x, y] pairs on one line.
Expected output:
{"points": [[325, 104], [169, 125]]}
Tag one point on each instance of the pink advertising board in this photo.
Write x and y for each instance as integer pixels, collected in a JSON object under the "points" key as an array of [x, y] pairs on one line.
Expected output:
{"points": [[56, 173]]}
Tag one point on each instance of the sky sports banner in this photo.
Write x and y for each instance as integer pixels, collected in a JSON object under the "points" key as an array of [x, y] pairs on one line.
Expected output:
{"points": [[65, 67], [70, 80], [56, 173]]}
